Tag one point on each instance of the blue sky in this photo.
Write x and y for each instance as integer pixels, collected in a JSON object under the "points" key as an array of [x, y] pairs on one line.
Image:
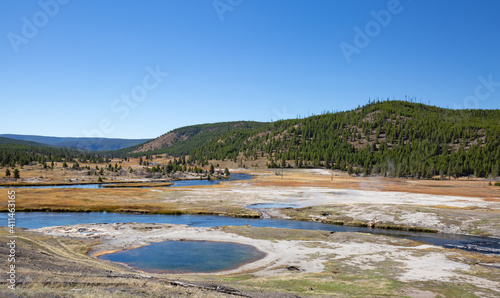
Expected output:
{"points": [[68, 67]]}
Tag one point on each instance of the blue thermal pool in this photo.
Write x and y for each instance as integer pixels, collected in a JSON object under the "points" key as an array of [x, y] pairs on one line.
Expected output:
{"points": [[186, 256]]}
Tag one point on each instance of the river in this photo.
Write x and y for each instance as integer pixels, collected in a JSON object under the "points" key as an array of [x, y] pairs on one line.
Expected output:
{"points": [[34, 220]]}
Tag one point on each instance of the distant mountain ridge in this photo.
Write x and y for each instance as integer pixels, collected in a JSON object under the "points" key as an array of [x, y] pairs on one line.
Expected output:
{"points": [[4, 140], [93, 144], [19, 152]]}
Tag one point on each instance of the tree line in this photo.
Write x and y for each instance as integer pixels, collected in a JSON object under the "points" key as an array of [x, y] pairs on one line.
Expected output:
{"points": [[390, 138], [12, 154]]}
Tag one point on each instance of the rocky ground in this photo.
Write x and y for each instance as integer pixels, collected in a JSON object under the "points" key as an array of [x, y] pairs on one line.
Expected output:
{"points": [[49, 266], [60, 261]]}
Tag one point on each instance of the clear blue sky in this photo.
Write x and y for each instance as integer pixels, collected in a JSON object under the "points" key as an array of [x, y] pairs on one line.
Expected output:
{"points": [[242, 60]]}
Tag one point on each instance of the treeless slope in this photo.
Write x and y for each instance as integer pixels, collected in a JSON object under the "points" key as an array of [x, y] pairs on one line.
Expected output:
{"points": [[182, 141], [163, 141]]}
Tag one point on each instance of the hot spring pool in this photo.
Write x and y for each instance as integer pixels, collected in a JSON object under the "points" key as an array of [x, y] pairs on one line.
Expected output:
{"points": [[186, 256]]}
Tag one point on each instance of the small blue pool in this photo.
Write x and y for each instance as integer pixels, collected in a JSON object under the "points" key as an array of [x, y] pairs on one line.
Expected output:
{"points": [[186, 256]]}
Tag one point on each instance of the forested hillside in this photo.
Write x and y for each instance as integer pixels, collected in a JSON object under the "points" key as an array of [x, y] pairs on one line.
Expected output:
{"points": [[182, 141], [17, 152], [4, 140], [393, 138]]}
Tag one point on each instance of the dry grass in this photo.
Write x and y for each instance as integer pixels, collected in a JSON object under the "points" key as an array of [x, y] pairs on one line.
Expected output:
{"points": [[119, 200], [47, 266], [173, 200], [292, 178], [60, 266], [83, 276], [341, 180]]}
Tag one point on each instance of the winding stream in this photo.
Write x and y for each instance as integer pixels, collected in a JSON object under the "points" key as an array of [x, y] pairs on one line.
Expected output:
{"points": [[34, 220], [179, 183]]}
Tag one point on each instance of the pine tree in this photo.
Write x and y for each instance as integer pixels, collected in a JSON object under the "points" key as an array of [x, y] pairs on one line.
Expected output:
{"points": [[7, 173], [16, 174]]}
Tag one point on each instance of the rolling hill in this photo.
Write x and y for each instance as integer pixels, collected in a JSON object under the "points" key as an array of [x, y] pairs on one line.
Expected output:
{"points": [[182, 141], [393, 138], [18, 152], [4, 141], [389, 138]]}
